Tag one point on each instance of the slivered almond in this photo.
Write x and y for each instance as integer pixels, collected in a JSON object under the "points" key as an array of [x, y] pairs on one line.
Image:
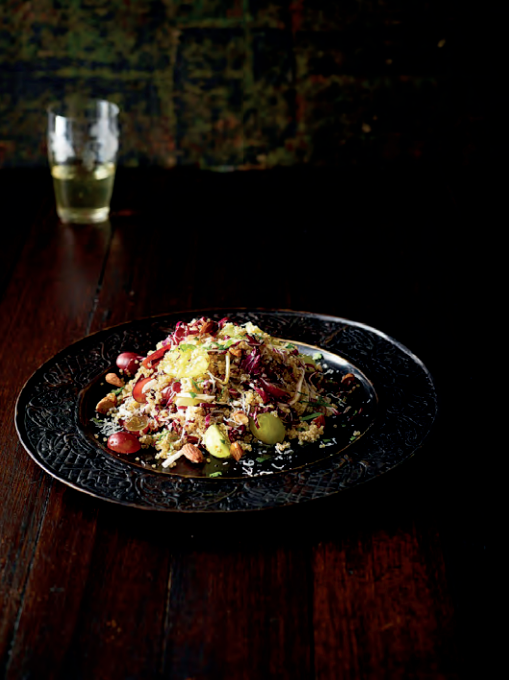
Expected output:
{"points": [[236, 450]]}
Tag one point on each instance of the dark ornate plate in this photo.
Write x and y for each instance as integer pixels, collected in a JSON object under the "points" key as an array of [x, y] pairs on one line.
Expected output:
{"points": [[54, 408]]}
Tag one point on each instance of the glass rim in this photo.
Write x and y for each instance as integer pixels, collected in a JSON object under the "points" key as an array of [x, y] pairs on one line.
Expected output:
{"points": [[82, 103]]}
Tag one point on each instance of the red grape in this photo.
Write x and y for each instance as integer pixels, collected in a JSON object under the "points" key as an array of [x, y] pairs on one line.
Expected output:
{"points": [[123, 442], [129, 362], [138, 393]]}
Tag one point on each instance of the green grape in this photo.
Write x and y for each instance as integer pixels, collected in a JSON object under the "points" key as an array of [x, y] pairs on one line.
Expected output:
{"points": [[216, 442], [270, 431]]}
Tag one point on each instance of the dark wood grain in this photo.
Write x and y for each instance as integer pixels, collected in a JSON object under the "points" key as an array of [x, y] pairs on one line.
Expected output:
{"points": [[388, 581], [370, 590], [46, 307]]}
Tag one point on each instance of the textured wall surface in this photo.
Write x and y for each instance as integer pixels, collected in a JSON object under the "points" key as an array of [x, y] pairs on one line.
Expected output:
{"points": [[245, 83]]}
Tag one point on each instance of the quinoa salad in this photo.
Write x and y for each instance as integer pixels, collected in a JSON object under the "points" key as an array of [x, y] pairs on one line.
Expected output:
{"points": [[219, 390]]}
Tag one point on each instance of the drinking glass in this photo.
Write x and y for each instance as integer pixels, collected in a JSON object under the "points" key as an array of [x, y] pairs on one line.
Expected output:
{"points": [[82, 153]]}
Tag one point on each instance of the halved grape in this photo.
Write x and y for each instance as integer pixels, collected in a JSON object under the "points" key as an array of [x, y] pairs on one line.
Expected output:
{"points": [[216, 442], [270, 429], [123, 442], [138, 394], [136, 423]]}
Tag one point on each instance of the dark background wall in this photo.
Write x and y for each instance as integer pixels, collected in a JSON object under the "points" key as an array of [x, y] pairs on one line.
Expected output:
{"points": [[254, 83]]}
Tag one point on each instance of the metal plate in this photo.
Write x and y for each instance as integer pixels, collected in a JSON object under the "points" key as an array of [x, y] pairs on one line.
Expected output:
{"points": [[53, 417]]}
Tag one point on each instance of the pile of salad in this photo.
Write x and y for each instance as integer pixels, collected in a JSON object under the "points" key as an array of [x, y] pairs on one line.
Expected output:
{"points": [[216, 388]]}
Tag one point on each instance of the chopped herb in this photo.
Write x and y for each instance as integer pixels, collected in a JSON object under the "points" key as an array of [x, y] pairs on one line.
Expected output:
{"points": [[312, 415], [221, 346], [186, 347], [117, 391], [192, 395], [216, 474], [317, 356]]}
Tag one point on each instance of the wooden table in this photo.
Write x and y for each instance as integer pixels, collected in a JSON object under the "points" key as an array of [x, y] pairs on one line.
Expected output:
{"points": [[390, 580]]}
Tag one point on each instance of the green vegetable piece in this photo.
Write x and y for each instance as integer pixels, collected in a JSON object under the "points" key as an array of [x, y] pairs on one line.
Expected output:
{"points": [[216, 443], [270, 431], [309, 361], [186, 347]]}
